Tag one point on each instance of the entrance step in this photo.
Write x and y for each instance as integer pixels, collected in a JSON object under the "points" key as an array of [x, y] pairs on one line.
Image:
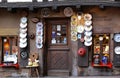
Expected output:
{"points": [[58, 73]]}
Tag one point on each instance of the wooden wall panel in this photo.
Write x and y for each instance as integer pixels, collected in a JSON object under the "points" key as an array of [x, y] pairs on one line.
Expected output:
{"points": [[58, 60], [104, 20], [0, 50]]}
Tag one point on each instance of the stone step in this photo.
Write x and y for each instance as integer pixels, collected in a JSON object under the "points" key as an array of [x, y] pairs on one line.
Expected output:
{"points": [[58, 73]]}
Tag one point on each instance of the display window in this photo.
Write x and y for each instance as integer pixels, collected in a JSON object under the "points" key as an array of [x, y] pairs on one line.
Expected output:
{"points": [[59, 34], [9, 51], [101, 53]]}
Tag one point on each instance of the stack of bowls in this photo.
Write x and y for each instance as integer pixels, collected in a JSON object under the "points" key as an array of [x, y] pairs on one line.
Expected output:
{"points": [[88, 30], [23, 32]]}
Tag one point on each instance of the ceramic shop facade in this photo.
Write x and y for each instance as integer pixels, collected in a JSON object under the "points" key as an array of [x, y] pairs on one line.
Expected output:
{"points": [[71, 38]]}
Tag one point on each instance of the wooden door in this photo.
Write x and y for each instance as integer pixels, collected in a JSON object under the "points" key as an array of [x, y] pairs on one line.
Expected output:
{"points": [[57, 43]]}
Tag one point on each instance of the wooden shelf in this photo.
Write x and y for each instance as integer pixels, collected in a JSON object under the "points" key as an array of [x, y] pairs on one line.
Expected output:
{"points": [[10, 65], [109, 65]]}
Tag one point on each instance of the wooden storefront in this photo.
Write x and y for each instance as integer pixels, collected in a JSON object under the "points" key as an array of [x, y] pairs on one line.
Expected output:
{"points": [[61, 44]]}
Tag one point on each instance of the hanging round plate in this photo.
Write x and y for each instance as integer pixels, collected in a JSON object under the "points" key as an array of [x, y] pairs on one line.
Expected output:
{"points": [[23, 45], [74, 18], [73, 23], [39, 33], [87, 17], [23, 35], [88, 38], [39, 25], [87, 23], [117, 50], [88, 33], [39, 39], [88, 43], [24, 55], [80, 29], [45, 12], [23, 40], [23, 30], [23, 20], [68, 11], [73, 37], [74, 28], [88, 28], [73, 33], [117, 37], [39, 45], [23, 25]]}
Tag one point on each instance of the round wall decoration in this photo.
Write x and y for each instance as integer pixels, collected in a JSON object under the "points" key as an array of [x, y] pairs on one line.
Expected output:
{"points": [[35, 19], [88, 43], [23, 20], [45, 12], [87, 16], [87, 23], [22, 45], [68, 11], [80, 29], [117, 37], [23, 54], [117, 50], [23, 25], [88, 28]]}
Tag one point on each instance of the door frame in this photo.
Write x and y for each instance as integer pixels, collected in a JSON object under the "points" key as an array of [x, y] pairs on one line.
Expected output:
{"points": [[45, 69]]}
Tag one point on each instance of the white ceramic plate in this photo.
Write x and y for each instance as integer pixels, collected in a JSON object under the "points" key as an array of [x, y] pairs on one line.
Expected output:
{"points": [[39, 24], [23, 35], [23, 25], [88, 33], [117, 50], [87, 23], [23, 45], [88, 28], [88, 38], [80, 29], [23, 30], [87, 16], [23, 40], [23, 20], [117, 37], [88, 43]]}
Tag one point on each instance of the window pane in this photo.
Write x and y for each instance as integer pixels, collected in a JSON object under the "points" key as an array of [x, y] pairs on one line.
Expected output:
{"points": [[59, 34], [10, 49]]}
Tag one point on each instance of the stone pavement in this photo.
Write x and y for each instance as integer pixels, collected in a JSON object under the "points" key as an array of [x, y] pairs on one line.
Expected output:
{"points": [[86, 77]]}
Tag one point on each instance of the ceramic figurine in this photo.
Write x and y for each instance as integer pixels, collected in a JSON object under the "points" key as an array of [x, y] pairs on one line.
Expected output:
{"points": [[30, 62], [96, 59], [105, 59]]}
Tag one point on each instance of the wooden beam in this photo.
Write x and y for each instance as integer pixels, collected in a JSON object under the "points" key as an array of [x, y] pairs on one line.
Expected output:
{"points": [[58, 3]]}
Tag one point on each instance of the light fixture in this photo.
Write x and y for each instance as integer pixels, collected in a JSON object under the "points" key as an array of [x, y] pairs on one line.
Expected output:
{"points": [[5, 40]]}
